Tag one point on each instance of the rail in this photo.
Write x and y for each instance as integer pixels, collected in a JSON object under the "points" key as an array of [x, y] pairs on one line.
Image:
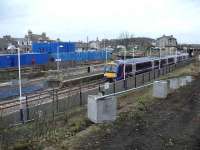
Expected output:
{"points": [[38, 96], [47, 94], [122, 92]]}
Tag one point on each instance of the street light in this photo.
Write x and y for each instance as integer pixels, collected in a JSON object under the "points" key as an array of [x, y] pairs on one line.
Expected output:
{"points": [[125, 64], [176, 56], [58, 56], [150, 52], [20, 86], [133, 60], [160, 58], [106, 51]]}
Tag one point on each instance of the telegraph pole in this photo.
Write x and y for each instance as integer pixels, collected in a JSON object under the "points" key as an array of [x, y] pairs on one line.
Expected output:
{"points": [[20, 87]]}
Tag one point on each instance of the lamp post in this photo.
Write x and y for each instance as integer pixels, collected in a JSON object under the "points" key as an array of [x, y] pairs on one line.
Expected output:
{"points": [[159, 58], [58, 56], [150, 52], [176, 56], [20, 87], [133, 60], [124, 64], [106, 51]]}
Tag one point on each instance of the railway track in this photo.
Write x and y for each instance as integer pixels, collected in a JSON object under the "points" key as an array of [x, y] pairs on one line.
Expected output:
{"points": [[46, 96]]}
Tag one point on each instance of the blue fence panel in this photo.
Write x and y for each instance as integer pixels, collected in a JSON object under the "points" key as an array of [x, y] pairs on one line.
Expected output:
{"points": [[52, 47], [41, 59], [11, 60], [82, 56], [5, 61]]}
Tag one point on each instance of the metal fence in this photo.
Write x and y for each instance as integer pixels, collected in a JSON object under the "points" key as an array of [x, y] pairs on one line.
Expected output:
{"points": [[62, 100]]}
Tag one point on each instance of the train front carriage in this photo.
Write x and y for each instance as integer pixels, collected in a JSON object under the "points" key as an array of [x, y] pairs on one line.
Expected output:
{"points": [[110, 71]]}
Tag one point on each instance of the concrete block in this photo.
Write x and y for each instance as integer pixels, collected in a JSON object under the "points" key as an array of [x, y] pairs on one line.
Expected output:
{"points": [[102, 110], [189, 79], [160, 89], [182, 81], [173, 84]]}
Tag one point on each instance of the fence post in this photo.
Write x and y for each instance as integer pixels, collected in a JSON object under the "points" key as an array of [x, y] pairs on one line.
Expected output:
{"points": [[80, 96], [99, 87], [27, 109], [135, 81], [57, 106], [149, 76], [143, 77], [167, 69], [125, 84], [114, 86], [53, 113], [154, 75]]}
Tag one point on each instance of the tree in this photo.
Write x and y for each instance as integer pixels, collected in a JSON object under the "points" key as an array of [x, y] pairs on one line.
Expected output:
{"points": [[125, 39]]}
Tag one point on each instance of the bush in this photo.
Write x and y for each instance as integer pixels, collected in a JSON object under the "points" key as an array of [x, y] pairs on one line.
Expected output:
{"points": [[23, 146]]}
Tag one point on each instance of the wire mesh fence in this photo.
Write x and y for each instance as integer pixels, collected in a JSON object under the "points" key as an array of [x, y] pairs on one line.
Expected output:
{"points": [[43, 109]]}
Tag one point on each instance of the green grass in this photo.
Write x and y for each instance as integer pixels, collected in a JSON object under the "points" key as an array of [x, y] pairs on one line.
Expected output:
{"points": [[69, 129]]}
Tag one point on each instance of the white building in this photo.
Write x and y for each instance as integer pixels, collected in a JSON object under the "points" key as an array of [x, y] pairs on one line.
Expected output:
{"points": [[166, 41]]}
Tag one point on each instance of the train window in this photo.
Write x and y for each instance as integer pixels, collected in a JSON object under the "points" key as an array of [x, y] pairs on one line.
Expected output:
{"points": [[111, 68], [156, 63], [171, 60], [163, 62], [145, 65], [128, 68]]}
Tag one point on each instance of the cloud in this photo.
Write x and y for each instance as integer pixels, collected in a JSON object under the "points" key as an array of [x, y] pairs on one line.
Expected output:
{"points": [[75, 19]]}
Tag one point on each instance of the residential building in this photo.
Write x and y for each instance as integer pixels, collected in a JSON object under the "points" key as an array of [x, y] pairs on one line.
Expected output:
{"points": [[166, 41]]}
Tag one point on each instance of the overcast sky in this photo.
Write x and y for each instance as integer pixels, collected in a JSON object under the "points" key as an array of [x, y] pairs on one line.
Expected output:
{"points": [[75, 19]]}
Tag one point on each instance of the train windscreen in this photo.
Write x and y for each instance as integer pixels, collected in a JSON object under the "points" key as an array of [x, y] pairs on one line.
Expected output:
{"points": [[111, 68]]}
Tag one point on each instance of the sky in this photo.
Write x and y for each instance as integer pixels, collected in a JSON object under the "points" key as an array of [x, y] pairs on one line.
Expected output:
{"points": [[74, 20]]}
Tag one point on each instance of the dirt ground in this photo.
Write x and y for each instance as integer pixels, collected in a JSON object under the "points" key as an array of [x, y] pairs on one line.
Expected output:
{"points": [[170, 124], [143, 123]]}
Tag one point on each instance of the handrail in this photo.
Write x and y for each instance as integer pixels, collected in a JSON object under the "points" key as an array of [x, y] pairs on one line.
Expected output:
{"points": [[122, 92]]}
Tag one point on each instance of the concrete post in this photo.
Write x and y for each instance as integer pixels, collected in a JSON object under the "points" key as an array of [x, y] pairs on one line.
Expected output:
{"points": [[160, 89], [174, 84], [189, 79], [101, 110], [182, 81]]}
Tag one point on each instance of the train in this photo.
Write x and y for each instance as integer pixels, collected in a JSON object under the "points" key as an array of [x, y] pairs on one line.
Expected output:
{"points": [[115, 70]]}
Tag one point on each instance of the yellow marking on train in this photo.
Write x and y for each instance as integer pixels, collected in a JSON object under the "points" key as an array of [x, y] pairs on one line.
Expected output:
{"points": [[110, 75]]}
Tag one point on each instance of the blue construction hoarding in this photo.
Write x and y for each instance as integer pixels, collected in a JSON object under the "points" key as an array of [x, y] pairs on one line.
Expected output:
{"points": [[11, 60], [52, 47], [28, 59], [81, 56]]}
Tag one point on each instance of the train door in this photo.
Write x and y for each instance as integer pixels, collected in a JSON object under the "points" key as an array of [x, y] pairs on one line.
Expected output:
{"points": [[128, 69], [133, 69], [167, 61], [163, 62], [156, 64], [152, 64]]}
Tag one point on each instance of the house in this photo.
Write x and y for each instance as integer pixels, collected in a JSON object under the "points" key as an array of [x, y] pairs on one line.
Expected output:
{"points": [[3, 45], [30, 38], [166, 41], [5, 42]]}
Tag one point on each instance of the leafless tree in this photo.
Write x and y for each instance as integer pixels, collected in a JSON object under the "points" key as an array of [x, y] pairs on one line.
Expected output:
{"points": [[125, 39]]}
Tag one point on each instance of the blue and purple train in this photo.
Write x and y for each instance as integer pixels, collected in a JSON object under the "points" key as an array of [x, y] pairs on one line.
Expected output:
{"points": [[115, 70]]}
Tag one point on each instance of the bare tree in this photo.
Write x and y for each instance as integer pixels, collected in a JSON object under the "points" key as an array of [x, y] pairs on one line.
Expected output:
{"points": [[125, 39]]}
